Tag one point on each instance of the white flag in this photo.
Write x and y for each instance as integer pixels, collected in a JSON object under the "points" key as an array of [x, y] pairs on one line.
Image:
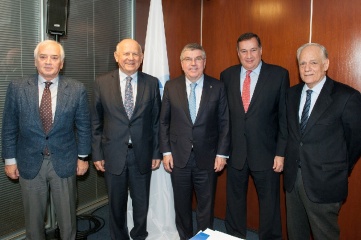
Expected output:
{"points": [[155, 60], [161, 215]]}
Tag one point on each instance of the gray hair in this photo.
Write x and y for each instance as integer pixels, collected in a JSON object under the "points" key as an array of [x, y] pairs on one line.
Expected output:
{"points": [[46, 42], [323, 50]]}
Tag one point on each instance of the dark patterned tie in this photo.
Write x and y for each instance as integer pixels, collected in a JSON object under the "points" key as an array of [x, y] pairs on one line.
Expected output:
{"points": [[45, 108], [129, 101], [305, 111]]}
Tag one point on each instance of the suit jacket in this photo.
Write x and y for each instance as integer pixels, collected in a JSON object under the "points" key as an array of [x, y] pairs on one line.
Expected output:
{"points": [[23, 136], [111, 127], [209, 135], [260, 134], [330, 145]]}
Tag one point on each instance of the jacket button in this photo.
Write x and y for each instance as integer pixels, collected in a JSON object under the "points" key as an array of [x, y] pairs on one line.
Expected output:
{"points": [[301, 144]]}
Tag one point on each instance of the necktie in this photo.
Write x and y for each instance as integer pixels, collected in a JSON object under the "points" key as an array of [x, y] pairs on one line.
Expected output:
{"points": [[192, 102], [246, 91], [129, 101], [305, 111], [45, 108]]}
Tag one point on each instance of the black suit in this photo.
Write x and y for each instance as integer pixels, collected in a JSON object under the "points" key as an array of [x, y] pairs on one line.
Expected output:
{"points": [[194, 146], [256, 138], [111, 132], [329, 146]]}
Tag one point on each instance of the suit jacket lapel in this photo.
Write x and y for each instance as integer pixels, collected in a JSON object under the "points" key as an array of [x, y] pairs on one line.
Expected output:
{"points": [[63, 96], [182, 96], [32, 96], [116, 94], [235, 87], [140, 92], [322, 103], [206, 92], [259, 86]]}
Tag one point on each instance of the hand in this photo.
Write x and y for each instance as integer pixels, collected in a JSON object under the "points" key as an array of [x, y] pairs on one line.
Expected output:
{"points": [[278, 163], [168, 163], [82, 167], [99, 165], [12, 171], [155, 164], [219, 163]]}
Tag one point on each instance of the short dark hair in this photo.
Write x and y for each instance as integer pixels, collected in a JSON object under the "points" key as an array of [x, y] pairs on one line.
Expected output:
{"points": [[247, 36], [192, 47]]}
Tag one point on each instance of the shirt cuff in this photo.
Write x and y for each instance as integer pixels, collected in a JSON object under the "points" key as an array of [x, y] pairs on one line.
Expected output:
{"points": [[10, 161], [167, 153], [222, 156]]}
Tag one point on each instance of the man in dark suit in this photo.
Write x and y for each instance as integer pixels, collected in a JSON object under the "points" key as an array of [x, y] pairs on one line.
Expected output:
{"points": [[45, 139], [324, 143], [256, 98], [125, 124], [194, 138]]}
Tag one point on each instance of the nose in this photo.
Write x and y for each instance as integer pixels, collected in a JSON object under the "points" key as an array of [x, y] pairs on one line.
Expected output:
{"points": [[48, 60]]}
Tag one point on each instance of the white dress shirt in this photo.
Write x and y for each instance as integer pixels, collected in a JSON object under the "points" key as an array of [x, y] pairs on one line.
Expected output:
{"points": [[316, 90], [123, 81], [254, 78]]}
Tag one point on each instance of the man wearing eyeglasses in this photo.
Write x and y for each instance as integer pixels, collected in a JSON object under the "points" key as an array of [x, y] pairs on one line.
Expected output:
{"points": [[194, 138], [256, 97]]}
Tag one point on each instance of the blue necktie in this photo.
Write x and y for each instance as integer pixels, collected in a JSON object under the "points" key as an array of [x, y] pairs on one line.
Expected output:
{"points": [[192, 102], [128, 101], [305, 111]]}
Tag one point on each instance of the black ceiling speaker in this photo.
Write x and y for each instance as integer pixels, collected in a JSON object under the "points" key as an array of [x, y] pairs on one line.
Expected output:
{"points": [[57, 13]]}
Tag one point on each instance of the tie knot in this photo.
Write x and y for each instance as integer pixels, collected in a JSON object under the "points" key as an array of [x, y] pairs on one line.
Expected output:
{"points": [[129, 78], [47, 85], [193, 86], [248, 72], [309, 92]]}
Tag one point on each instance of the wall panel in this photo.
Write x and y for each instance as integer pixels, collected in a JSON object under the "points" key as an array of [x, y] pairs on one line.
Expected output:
{"points": [[283, 26]]}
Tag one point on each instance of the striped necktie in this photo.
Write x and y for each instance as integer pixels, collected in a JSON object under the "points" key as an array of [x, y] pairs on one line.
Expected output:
{"points": [[305, 111]]}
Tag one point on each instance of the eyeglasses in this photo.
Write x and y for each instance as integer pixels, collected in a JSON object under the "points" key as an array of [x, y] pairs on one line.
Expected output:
{"points": [[190, 60]]}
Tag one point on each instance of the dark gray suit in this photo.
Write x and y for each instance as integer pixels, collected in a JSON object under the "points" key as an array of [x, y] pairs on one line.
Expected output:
{"points": [[194, 144], [111, 130], [328, 149], [23, 138], [256, 138]]}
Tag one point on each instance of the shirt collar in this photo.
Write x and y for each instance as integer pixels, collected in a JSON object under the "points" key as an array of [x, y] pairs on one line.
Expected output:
{"points": [[257, 70], [41, 80], [122, 76], [316, 89], [199, 81]]}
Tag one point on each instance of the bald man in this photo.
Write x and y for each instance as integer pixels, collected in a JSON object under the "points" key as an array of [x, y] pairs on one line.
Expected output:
{"points": [[125, 115]]}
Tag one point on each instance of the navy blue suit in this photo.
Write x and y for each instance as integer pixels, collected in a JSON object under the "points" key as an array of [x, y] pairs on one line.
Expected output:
{"points": [[23, 136], [24, 139], [257, 136], [194, 147]]}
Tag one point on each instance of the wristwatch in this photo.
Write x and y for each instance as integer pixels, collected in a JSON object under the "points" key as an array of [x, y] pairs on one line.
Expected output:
{"points": [[83, 158]]}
